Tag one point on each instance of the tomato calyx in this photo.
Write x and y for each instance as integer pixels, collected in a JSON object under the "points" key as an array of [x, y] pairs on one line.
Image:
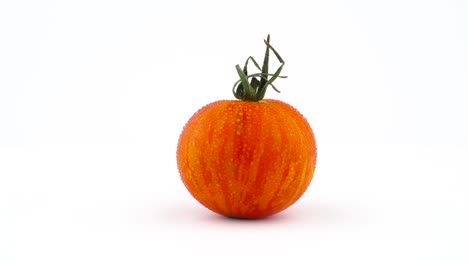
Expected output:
{"points": [[256, 89]]}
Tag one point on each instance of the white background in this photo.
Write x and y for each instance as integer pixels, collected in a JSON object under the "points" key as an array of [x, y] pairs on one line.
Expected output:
{"points": [[94, 94]]}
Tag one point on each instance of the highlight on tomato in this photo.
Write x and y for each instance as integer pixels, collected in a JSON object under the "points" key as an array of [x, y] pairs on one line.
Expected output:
{"points": [[251, 157]]}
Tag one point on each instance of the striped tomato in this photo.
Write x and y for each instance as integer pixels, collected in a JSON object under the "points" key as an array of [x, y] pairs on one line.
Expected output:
{"points": [[247, 158]]}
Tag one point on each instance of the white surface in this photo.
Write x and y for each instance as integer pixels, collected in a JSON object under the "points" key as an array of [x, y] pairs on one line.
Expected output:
{"points": [[93, 96]]}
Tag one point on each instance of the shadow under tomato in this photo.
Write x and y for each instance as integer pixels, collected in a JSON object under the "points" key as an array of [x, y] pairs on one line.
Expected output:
{"points": [[241, 219], [325, 213]]}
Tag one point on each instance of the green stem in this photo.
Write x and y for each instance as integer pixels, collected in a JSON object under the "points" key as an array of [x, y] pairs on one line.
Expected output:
{"points": [[255, 90]]}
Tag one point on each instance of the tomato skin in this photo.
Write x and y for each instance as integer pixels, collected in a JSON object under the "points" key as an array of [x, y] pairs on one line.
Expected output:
{"points": [[247, 159]]}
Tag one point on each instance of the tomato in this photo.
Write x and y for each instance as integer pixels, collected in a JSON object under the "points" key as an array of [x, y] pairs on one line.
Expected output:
{"points": [[247, 158]]}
